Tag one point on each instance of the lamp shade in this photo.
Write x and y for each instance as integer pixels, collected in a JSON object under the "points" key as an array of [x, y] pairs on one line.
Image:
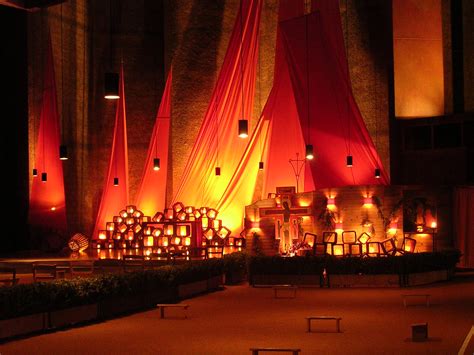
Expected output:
{"points": [[243, 128], [309, 151], [44, 177], [260, 165], [63, 152], [349, 161], [111, 86], [377, 173], [156, 164], [35, 172], [116, 181], [218, 171]]}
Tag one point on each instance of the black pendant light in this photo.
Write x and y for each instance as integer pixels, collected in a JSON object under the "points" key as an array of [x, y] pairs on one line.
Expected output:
{"points": [[111, 86], [309, 152], [156, 164], [44, 177], [260, 165], [63, 152], [35, 172], [116, 181], [218, 171], [349, 161], [377, 173], [243, 128]]}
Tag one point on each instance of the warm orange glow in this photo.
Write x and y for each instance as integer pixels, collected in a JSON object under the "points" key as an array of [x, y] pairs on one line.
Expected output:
{"points": [[189, 209], [137, 228], [163, 241], [157, 232], [338, 249], [176, 240], [130, 235], [187, 241], [368, 203], [110, 226], [203, 210], [434, 225], [147, 231], [178, 206], [102, 235], [224, 232], [123, 214], [209, 234], [216, 224], [197, 214], [169, 229], [183, 230], [205, 222], [364, 238], [392, 229], [331, 204], [130, 221], [117, 236], [137, 214], [419, 228], [131, 209], [408, 248], [169, 213], [338, 228], [118, 219], [158, 217], [53, 208], [181, 216], [122, 228], [212, 213], [238, 242]]}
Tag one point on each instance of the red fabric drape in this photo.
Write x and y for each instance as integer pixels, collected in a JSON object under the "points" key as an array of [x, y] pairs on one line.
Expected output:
{"points": [[314, 49], [152, 191], [285, 139], [217, 143], [47, 199], [115, 198], [464, 224]]}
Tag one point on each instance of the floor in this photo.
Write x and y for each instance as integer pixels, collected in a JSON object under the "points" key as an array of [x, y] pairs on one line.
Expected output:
{"points": [[374, 321]]}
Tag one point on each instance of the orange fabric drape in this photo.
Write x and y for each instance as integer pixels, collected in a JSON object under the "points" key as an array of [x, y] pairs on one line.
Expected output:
{"points": [[217, 143], [152, 191], [464, 224], [115, 198], [47, 199]]}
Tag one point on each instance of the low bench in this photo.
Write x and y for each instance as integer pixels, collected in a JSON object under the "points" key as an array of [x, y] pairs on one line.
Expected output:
{"points": [[290, 288], [294, 351], [337, 319], [162, 307], [425, 295], [12, 280]]}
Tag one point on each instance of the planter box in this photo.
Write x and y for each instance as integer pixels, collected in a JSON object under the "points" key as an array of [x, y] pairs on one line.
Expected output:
{"points": [[389, 280], [22, 325], [215, 282], [116, 306], [301, 280], [423, 278], [192, 289], [74, 315]]}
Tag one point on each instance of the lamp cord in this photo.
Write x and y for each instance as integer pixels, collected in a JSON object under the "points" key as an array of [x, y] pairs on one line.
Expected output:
{"points": [[241, 57]]}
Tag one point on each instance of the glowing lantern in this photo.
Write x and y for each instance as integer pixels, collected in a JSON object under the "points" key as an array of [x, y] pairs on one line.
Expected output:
{"points": [[78, 242], [169, 213], [147, 252], [178, 206], [98, 246], [181, 216], [147, 231], [331, 204], [209, 234], [137, 214], [110, 244], [368, 202], [203, 210], [102, 235], [144, 219], [137, 228], [339, 227], [137, 245], [117, 236], [197, 214], [238, 242], [130, 220], [338, 249], [183, 230], [122, 228], [434, 225], [130, 235], [216, 224], [169, 229], [157, 232], [189, 209], [419, 228], [123, 214], [110, 226], [124, 245], [187, 241], [131, 209], [212, 213], [118, 219], [364, 238], [205, 223], [224, 232], [392, 228], [164, 241], [176, 240], [158, 217]]}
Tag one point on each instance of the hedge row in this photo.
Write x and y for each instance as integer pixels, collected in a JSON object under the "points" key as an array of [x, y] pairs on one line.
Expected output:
{"points": [[309, 265], [38, 297]]}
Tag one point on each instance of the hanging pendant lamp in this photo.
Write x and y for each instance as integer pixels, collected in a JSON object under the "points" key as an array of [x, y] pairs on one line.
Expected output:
{"points": [[377, 173], [111, 86], [349, 161], [44, 177], [260, 165], [35, 172], [309, 152], [218, 171], [116, 181], [156, 164], [63, 152], [243, 128]]}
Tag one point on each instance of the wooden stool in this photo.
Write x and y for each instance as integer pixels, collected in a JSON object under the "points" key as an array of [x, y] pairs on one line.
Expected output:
{"points": [[294, 351], [292, 288], [162, 307], [337, 319]]}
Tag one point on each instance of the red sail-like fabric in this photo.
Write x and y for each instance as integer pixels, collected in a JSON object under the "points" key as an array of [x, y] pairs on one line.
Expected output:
{"points": [[47, 199], [335, 128], [217, 143], [152, 191], [285, 138], [115, 198]]}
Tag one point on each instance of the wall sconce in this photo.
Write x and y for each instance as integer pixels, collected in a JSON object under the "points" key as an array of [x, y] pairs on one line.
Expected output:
{"points": [[331, 203], [368, 202]]}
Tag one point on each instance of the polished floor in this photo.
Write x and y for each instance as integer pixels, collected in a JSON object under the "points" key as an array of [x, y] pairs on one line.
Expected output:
{"points": [[374, 321]]}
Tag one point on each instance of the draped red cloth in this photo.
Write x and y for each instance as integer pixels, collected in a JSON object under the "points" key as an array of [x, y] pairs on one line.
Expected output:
{"points": [[47, 200], [329, 116], [115, 198], [217, 143], [285, 140], [464, 224], [152, 191]]}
